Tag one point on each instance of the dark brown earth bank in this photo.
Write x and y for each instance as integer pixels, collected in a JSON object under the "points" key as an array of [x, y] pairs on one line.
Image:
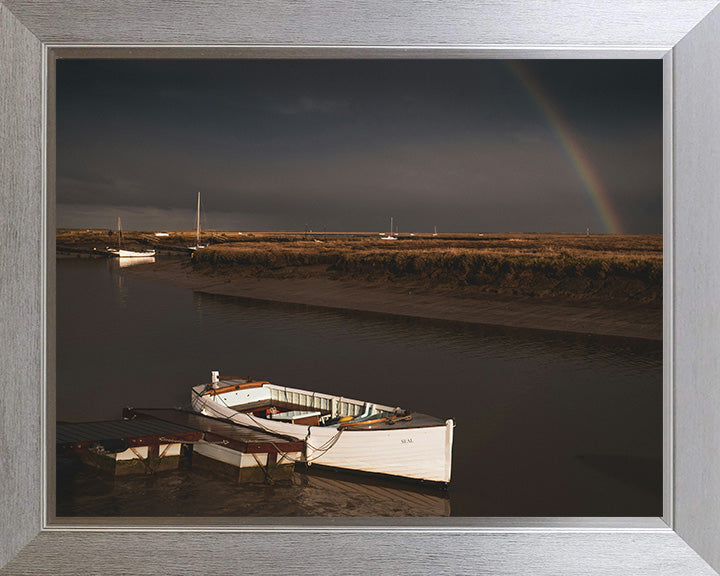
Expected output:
{"points": [[636, 320]]}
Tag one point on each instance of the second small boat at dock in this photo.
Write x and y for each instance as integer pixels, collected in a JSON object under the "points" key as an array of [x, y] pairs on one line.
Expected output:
{"points": [[338, 432]]}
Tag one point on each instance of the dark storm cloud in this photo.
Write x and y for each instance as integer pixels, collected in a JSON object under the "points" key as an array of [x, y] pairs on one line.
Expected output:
{"points": [[343, 145]]}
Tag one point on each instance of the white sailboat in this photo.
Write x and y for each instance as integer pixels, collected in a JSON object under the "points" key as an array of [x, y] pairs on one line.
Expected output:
{"points": [[338, 432], [197, 228], [390, 236], [121, 253]]}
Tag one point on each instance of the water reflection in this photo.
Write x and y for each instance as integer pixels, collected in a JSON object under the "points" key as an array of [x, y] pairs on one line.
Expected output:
{"points": [[85, 491], [460, 338], [125, 262], [338, 494]]}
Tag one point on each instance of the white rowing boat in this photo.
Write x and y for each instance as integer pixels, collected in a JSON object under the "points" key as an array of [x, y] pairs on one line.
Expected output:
{"points": [[338, 432]]}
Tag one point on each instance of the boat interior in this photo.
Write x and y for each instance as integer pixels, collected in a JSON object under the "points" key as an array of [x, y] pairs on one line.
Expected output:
{"points": [[312, 408]]}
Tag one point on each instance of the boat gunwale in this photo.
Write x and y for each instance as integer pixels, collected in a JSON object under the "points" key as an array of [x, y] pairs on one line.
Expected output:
{"points": [[434, 420], [286, 389]]}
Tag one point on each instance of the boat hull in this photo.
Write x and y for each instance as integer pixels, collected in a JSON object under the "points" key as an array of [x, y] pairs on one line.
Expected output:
{"points": [[421, 453], [131, 253]]}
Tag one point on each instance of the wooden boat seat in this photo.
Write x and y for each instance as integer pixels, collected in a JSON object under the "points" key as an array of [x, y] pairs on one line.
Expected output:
{"points": [[297, 417]]}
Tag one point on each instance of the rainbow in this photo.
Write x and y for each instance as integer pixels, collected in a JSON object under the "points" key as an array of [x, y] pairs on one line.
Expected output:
{"points": [[593, 185]]}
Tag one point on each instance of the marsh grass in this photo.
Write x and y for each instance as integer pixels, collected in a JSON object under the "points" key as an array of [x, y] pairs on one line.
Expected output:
{"points": [[617, 268]]}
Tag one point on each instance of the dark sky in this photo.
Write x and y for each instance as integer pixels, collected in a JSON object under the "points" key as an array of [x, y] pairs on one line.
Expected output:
{"points": [[342, 145]]}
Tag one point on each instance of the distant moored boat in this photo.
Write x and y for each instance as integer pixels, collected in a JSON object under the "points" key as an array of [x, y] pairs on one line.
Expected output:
{"points": [[197, 228], [389, 236], [121, 253]]}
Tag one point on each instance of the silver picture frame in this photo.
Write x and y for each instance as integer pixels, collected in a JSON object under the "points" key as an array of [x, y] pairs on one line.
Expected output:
{"points": [[685, 34]]}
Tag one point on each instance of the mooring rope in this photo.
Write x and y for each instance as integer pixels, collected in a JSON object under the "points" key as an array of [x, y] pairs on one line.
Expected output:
{"points": [[321, 450]]}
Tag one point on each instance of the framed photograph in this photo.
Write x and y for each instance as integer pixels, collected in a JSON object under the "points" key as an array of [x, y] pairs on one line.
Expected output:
{"points": [[674, 530], [473, 347]]}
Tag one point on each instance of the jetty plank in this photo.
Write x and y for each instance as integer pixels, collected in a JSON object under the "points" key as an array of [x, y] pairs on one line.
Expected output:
{"points": [[235, 436], [80, 435]]}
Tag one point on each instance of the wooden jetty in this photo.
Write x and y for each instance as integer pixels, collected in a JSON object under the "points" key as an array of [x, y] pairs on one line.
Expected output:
{"points": [[126, 446], [243, 453], [150, 439]]}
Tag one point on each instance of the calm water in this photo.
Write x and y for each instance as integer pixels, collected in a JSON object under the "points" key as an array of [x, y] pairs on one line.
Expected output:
{"points": [[548, 423]]}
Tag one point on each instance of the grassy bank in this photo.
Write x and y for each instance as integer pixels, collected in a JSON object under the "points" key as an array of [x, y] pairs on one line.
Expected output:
{"points": [[604, 268]]}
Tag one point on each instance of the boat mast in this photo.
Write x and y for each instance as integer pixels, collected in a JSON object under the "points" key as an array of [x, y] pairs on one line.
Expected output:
{"points": [[197, 240], [391, 226], [119, 234]]}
